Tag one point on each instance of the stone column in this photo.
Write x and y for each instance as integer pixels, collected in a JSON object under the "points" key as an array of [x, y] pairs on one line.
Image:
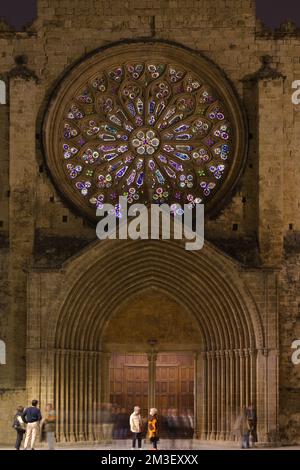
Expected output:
{"points": [[262, 395], [57, 395], [242, 379], [81, 391], [62, 394], [105, 391], [218, 394], [76, 397], [223, 372], [152, 357], [66, 385], [232, 399], [90, 396], [200, 396], [213, 396], [72, 398], [253, 360], [209, 359]]}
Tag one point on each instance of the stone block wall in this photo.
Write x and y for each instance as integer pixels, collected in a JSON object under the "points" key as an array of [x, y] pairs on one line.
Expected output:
{"points": [[225, 32]]}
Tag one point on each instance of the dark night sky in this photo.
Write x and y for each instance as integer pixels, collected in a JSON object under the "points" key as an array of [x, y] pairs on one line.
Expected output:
{"points": [[273, 12]]}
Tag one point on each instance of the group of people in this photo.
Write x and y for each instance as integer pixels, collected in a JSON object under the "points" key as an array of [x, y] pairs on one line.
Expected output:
{"points": [[29, 422], [113, 422], [136, 427]]}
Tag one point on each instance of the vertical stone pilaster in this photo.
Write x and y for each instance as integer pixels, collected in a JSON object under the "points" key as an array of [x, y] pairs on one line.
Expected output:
{"points": [[271, 147], [22, 180]]}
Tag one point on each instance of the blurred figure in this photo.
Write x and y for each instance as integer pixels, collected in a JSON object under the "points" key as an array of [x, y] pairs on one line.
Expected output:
{"points": [[106, 423], [174, 427], [115, 413], [153, 428], [48, 425], [170, 424], [32, 416], [241, 429], [190, 418], [187, 428], [97, 423], [136, 427], [163, 423], [252, 424], [121, 424], [20, 426]]}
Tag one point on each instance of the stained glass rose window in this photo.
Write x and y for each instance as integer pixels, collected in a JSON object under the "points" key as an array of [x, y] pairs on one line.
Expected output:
{"points": [[153, 126]]}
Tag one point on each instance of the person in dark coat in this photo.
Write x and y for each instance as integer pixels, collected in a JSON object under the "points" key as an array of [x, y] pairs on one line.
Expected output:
{"points": [[32, 416], [20, 426]]}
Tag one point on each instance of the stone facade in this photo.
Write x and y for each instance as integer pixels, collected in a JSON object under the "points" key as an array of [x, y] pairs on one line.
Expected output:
{"points": [[46, 248]]}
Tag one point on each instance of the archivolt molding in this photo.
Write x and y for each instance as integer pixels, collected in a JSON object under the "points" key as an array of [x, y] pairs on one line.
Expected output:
{"points": [[206, 282]]}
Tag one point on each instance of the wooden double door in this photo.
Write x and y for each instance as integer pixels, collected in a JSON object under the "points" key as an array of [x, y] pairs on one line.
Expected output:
{"points": [[130, 377]]}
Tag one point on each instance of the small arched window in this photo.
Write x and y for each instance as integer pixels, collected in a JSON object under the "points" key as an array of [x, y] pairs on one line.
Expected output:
{"points": [[2, 92], [2, 352]]}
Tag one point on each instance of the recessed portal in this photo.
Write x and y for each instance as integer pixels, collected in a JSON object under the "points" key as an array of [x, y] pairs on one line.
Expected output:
{"points": [[164, 380]]}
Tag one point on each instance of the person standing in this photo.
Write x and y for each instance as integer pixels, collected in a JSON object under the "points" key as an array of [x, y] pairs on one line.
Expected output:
{"points": [[20, 426], [48, 424], [32, 416], [153, 428], [136, 427]]}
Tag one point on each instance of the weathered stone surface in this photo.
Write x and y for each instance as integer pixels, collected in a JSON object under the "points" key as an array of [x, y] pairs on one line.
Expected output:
{"points": [[258, 228]]}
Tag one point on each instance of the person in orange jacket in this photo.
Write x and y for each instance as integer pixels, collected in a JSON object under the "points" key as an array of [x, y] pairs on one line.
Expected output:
{"points": [[153, 427]]}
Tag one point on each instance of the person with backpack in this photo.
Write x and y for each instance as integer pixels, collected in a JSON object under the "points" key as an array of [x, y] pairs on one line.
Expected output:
{"points": [[20, 426]]}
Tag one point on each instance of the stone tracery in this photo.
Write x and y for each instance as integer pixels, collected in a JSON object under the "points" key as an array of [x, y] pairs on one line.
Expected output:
{"points": [[153, 131]]}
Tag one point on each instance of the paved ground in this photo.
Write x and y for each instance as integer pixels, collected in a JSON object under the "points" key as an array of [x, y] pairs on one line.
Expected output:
{"points": [[164, 444]]}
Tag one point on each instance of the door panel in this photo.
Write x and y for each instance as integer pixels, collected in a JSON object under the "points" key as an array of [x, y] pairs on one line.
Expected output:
{"points": [[129, 381], [174, 385]]}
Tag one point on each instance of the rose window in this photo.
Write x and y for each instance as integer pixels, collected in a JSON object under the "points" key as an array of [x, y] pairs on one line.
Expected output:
{"points": [[155, 131]]}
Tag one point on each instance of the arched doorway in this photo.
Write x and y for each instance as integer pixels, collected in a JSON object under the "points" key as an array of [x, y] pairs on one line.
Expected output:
{"points": [[232, 364], [152, 343]]}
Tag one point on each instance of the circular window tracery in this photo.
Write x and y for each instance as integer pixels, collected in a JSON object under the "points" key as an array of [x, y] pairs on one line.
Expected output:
{"points": [[162, 130]]}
